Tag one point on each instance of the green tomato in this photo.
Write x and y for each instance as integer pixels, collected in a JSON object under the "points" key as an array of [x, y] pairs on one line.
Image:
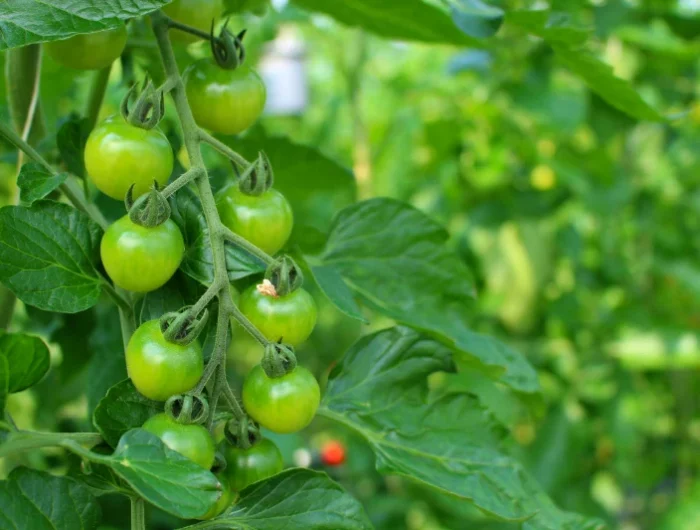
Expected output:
{"points": [[245, 466], [89, 51], [190, 440], [196, 13], [265, 220], [160, 369], [227, 496], [289, 319], [282, 404], [118, 154], [224, 101], [141, 259]]}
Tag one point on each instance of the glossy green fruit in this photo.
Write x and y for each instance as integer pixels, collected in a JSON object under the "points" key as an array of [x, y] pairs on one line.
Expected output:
{"points": [[118, 154], [265, 220], [160, 369], [196, 13], [192, 441], [227, 496], [224, 101], [282, 404], [289, 319], [246, 466], [141, 259], [89, 51]]}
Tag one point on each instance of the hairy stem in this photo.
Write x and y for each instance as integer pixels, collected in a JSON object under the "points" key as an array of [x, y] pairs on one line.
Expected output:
{"points": [[138, 514], [97, 94], [191, 135], [19, 441], [247, 246], [224, 149]]}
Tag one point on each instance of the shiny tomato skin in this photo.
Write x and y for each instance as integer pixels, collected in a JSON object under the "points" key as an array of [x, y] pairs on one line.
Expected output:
{"points": [[246, 466], [141, 259], [265, 220], [192, 441], [118, 154], [224, 101], [196, 13], [89, 51], [283, 404], [290, 318], [160, 369]]}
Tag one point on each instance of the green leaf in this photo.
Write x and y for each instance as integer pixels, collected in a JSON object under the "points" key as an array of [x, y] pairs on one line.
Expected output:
{"points": [[107, 366], [333, 286], [38, 501], [4, 385], [27, 358], [568, 43], [48, 255], [198, 262], [122, 409], [71, 140], [380, 390], [36, 183], [160, 475], [156, 303], [476, 18], [24, 22], [303, 499], [394, 19], [395, 258], [316, 186]]}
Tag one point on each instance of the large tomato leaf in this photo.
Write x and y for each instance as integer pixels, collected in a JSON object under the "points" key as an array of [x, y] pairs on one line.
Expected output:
{"points": [[395, 258], [303, 499], [446, 441], [48, 255], [24, 22], [37, 500], [27, 359], [412, 20]]}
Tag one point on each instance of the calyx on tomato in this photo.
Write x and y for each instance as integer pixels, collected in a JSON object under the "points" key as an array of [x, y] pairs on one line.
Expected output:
{"points": [[258, 176]]}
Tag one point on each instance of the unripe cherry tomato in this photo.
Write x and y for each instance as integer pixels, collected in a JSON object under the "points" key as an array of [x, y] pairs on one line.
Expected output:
{"points": [[333, 453], [224, 101], [227, 496], [246, 466], [282, 404], [141, 259], [118, 154], [290, 318], [196, 13], [89, 51], [265, 220], [158, 368], [190, 440]]}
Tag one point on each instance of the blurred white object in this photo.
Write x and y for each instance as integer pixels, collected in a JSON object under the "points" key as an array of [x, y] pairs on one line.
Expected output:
{"points": [[283, 68], [302, 457]]}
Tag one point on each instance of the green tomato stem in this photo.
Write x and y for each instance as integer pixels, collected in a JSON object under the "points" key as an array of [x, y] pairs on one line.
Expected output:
{"points": [[192, 138], [138, 514], [248, 325], [246, 245], [183, 180], [19, 441], [97, 94], [174, 24], [224, 149]]}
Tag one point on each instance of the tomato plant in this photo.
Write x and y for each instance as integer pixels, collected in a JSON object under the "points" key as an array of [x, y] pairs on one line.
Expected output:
{"points": [[373, 203], [119, 155], [89, 51], [139, 258], [158, 368], [246, 466], [190, 440], [290, 318]]}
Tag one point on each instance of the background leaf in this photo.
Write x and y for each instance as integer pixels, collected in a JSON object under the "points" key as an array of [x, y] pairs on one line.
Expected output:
{"points": [[4, 385], [303, 499], [380, 390], [71, 140], [333, 286], [37, 500], [394, 19], [476, 18], [23, 22], [36, 183], [123, 409], [48, 255], [27, 360]]}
